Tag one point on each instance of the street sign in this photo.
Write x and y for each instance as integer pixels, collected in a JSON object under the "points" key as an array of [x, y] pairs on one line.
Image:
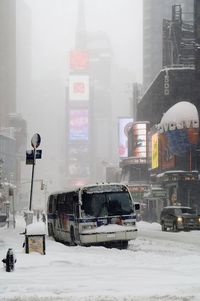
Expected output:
{"points": [[30, 155], [35, 141]]}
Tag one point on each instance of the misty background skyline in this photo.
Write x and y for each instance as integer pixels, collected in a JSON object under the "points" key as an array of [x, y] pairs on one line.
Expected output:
{"points": [[45, 35], [54, 24]]}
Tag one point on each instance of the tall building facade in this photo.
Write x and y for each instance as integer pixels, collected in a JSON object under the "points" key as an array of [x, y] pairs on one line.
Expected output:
{"points": [[88, 107], [12, 125], [7, 60], [23, 54], [154, 11], [173, 85]]}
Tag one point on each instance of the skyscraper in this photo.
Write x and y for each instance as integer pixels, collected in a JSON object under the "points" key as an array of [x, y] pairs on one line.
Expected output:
{"points": [[154, 11], [7, 60], [89, 104], [12, 125]]}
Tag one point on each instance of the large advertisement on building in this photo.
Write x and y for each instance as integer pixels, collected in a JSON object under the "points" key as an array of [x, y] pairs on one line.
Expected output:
{"points": [[78, 88], [79, 60], [78, 124], [167, 160], [140, 140], [154, 151], [124, 125], [181, 126]]}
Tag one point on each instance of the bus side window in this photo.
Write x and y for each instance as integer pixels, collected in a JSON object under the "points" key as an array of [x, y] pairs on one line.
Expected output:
{"points": [[56, 203], [77, 210], [60, 203], [75, 198], [69, 204], [76, 205], [50, 209]]}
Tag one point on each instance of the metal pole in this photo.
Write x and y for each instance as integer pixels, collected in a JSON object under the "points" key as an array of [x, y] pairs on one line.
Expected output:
{"points": [[32, 178], [13, 203], [7, 213]]}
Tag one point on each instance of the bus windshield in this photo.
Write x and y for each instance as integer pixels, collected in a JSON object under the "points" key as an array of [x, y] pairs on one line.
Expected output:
{"points": [[107, 204]]}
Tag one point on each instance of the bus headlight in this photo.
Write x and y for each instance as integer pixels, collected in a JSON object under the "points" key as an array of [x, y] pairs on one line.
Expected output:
{"points": [[129, 223], [88, 227], [179, 219]]}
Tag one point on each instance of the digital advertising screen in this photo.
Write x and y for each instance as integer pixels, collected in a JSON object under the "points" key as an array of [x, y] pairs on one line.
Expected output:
{"points": [[124, 124], [140, 140], [78, 88], [79, 60], [78, 125]]}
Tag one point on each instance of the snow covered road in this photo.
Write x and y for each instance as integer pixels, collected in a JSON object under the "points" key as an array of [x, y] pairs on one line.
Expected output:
{"points": [[154, 231], [157, 266]]}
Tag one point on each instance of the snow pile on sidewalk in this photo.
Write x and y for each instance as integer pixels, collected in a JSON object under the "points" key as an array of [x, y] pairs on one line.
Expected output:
{"points": [[152, 269]]}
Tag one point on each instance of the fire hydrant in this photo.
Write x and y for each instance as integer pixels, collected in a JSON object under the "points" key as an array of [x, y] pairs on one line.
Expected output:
{"points": [[9, 261]]}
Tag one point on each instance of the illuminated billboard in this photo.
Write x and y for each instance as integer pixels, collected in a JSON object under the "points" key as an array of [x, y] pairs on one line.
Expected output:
{"points": [[124, 124], [78, 124], [79, 60], [154, 151], [79, 87], [167, 160], [139, 140]]}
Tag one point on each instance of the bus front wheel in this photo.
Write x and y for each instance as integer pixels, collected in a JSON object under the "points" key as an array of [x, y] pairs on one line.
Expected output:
{"points": [[123, 245]]}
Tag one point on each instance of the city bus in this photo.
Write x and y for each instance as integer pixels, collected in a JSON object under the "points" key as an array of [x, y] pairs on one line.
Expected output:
{"points": [[99, 214]]}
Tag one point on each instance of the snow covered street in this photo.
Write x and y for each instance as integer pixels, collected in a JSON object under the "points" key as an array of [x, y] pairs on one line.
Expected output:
{"points": [[157, 266]]}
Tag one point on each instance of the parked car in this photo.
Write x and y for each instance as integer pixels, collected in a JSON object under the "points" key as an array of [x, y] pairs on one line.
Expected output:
{"points": [[179, 218]]}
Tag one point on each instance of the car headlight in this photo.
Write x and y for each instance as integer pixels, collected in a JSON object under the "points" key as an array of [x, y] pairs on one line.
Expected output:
{"points": [[179, 219], [199, 219]]}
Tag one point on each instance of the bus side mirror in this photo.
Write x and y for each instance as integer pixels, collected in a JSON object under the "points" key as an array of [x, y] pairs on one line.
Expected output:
{"points": [[137, 207]]}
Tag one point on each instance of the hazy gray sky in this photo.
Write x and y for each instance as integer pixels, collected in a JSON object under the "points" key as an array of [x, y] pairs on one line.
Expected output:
{"points": [[54, 21]]}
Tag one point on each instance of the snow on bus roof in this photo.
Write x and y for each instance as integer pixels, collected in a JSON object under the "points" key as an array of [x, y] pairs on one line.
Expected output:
{"points": [[104, 188], [97, 187]]}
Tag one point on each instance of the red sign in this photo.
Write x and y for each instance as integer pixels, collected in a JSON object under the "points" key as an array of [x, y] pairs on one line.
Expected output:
{"points": [[79, 60], [79, 87]]}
